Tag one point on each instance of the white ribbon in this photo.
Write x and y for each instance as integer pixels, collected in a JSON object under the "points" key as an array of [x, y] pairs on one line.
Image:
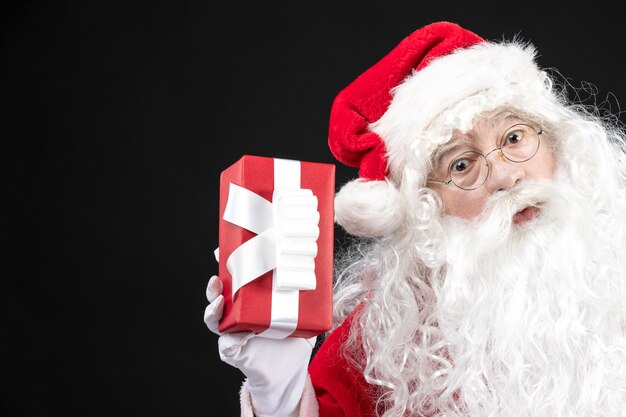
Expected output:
{"points": [[287, 231]]}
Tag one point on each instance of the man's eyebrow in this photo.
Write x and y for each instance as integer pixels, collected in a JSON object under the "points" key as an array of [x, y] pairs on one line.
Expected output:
{"points": [[449, 147], [499, 119]]}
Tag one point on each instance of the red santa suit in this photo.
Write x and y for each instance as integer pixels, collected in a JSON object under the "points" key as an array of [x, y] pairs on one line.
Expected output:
{"points": [[340, 389]]}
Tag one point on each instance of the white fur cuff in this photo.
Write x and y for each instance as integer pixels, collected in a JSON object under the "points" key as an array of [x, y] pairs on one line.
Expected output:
{"points": [[308, 402]]}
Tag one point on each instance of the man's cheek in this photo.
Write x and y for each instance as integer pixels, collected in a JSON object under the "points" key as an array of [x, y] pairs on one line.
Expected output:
{"points": [[466, 208]]}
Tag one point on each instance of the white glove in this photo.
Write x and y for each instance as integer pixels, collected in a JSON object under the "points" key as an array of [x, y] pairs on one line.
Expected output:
{"points": [[276, 369]]}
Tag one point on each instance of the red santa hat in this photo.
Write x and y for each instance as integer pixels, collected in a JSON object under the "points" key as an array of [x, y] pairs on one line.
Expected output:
{"points": [[384, 121]]}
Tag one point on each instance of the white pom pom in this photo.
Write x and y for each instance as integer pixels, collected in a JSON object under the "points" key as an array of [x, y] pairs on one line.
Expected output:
{"points": [[369, 208]]}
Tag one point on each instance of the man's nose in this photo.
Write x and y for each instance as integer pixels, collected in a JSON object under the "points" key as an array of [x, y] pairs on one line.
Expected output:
{"points": [[504, 174]]}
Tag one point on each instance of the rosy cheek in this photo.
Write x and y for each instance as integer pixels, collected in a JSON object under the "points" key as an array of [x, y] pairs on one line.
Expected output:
{"points": [[466, 207], [547, 164], [552, 168], [471, 210]]}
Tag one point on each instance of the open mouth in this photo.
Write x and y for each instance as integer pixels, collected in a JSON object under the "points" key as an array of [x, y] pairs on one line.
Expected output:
{"points": [[526, 215]]}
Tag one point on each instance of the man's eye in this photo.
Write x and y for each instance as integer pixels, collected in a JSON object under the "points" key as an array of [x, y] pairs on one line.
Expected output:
{"points": [[513, 138], [460, 165]]}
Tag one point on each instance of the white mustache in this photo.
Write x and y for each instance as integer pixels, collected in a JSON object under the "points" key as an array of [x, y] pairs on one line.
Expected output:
{"points": [[502, 206], [495, 225], [559, 203]]}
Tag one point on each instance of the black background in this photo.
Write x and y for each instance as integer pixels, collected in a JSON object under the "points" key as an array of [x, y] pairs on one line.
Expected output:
{"points": [[118, 119]]}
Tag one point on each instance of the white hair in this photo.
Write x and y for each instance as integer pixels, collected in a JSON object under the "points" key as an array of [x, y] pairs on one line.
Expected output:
{"points": [[421, 284]]}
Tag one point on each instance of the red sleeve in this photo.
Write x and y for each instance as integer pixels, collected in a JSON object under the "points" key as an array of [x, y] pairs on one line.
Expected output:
{"points": [[341, 390]]}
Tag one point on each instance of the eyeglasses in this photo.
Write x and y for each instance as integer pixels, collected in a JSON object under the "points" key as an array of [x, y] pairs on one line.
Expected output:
{"points": [[470, 169]]}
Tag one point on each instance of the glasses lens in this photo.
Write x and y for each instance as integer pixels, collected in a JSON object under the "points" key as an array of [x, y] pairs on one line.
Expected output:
{"points": [[520, 143], [469, 170]]}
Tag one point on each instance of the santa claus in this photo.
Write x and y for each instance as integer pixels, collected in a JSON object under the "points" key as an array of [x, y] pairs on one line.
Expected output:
{"points": [[487, 278]]}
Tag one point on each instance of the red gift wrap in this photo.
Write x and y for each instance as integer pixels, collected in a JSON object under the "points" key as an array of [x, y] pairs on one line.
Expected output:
{"points": [[251, 307]]}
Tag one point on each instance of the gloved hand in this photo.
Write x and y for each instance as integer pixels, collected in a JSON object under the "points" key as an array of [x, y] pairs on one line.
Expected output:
{"points": [[276, 369]]}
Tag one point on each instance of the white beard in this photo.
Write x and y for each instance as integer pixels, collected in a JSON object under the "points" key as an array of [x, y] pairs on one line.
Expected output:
{"points": [[535, 315]]}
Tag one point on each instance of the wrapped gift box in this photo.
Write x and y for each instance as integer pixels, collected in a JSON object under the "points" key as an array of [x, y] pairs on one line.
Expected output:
{"points": [[257, 305]]}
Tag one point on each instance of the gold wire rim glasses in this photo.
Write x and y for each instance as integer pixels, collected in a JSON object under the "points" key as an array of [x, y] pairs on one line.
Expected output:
{"points": [[501, 154]]}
